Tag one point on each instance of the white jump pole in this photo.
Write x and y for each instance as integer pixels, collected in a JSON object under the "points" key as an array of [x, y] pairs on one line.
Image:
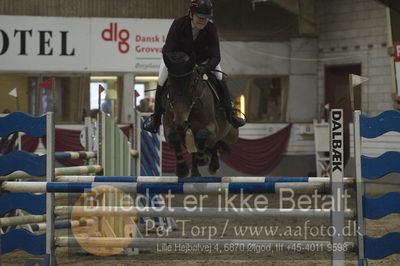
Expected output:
{"points": [[131, 211]]}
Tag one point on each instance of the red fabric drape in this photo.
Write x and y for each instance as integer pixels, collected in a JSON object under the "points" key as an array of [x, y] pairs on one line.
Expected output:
{"points": [[259, 156], [253, 157], [29, 143], [67, 140], [168, 159]]}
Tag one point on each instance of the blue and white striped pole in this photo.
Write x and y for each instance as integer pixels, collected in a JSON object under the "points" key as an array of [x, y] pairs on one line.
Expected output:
{"points": [[172, 188], [211, 179], [75, 155]]}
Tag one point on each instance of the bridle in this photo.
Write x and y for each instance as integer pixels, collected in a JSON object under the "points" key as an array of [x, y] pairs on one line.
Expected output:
{"points": [[197, 82]]}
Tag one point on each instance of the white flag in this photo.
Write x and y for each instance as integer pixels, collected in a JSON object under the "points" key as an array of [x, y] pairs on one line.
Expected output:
{"points": [[13, 92], [357, 80]]}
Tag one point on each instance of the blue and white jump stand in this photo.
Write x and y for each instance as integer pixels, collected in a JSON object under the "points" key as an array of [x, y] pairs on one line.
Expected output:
{"points": [[149, 146], [375, 168], [34, 165]]}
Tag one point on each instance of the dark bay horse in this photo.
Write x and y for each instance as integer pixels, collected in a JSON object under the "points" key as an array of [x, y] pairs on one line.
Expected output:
{"points": [[192, 109]]}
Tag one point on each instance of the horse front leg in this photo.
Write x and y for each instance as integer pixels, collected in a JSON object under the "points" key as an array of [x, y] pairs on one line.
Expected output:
{"points": [[202, 136], [182, 169], [195, 169]]}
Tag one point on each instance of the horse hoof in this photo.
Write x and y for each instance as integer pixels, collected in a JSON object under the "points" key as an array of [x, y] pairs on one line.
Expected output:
{"points": [[212, 172], [196, 174]]}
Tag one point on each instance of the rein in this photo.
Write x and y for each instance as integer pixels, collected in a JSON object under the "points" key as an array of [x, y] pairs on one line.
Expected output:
{"points": [[197, 82]]}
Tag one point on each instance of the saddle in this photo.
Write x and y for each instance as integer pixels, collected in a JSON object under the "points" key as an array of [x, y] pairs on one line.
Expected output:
{"points": [[212, 84]]}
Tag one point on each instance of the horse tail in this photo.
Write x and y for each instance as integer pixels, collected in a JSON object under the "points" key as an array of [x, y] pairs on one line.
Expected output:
{"points": [[222, 147]]}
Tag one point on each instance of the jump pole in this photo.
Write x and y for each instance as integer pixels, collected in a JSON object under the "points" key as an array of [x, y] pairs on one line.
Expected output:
{"points": [[74, 170], [21, 220], [64, 224], [30, 219], [172, 188], [75, 155], [130, 211], [210, 179]]}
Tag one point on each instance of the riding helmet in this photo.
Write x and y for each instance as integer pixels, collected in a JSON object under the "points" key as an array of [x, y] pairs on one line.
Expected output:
{"points": [[201, 8]]}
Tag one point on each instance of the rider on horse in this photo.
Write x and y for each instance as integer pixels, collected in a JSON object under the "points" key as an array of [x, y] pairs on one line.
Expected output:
{"points": [[194, 33]]}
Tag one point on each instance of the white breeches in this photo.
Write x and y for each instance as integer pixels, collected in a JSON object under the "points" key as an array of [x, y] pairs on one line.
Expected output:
{"points": [[163, 73]]}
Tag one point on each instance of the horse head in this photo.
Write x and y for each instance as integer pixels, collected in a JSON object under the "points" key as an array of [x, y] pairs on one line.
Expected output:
{"points": [[182, 83]]}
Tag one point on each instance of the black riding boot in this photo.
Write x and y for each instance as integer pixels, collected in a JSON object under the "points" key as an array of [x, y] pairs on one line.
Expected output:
{"points": [[152, 123], [227, 103]]}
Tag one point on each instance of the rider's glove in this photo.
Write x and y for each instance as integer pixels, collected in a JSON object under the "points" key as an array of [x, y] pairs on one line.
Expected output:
{"points": [[203, 69]]}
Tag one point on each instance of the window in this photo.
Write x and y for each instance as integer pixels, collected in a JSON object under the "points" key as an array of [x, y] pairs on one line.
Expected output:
{"points": [[108, 98], [263, 99], [145, 87], [66, 97], [140, 89], [94, 94]]}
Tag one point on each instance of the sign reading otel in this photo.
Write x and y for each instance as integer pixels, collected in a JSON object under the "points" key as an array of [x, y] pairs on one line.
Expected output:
{"points": [[81, 44]]}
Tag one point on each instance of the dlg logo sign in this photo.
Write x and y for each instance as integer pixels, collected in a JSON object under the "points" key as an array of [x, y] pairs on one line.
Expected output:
{"points": [[121, 36]]}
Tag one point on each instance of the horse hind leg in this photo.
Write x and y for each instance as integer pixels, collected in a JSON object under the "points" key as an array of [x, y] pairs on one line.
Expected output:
{"points": [[182, 169], [214, 162], [201, 138], [195, 169]]}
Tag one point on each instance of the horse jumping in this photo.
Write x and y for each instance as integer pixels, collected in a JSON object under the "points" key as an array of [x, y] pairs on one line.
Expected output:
{"points": [[190, 106]]}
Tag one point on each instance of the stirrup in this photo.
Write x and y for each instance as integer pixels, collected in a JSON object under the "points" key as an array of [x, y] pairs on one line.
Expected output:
{"points": [[237, 121]]}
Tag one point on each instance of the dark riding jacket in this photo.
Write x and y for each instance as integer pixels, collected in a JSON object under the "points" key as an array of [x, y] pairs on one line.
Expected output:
{"points": [[205, 47]]}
